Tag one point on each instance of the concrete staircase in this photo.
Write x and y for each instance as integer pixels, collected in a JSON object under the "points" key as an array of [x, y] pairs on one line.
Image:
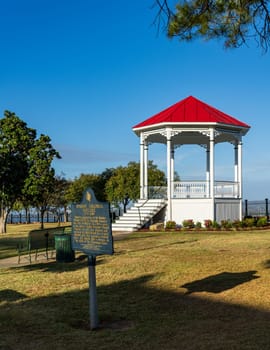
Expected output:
{"points": [[139, 214]]}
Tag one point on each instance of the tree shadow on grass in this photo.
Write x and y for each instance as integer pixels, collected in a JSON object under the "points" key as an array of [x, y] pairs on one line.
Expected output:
{"points": [[11, 295], [153, 318], [220, 282]]}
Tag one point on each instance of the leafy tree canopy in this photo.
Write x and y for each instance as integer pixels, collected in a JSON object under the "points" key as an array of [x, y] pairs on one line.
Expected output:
{"points": [[40, 183], [58, 202], [235, 21], [25, 164], [16, 139], [124, 184], [95, 181]]}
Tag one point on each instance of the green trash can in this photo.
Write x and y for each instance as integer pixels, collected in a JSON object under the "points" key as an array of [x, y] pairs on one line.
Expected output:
{"points": [[63, 248]]}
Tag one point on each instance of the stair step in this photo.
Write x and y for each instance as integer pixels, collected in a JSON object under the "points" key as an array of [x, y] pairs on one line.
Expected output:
{"points": [[122, 228], [138, 215], [133, 222]]}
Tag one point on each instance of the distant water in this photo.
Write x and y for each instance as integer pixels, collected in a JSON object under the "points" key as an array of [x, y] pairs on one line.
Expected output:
{"points": [[19, 218]]}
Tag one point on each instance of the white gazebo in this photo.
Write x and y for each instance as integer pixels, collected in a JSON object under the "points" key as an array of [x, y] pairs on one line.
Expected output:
{"points": [[192, 121]]}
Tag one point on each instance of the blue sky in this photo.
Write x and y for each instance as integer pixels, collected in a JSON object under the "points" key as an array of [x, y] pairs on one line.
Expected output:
{"points": [[85, 72]]}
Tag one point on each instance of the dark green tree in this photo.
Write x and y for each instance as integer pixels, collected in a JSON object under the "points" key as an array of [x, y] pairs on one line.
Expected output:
{"points": [[78, 186], [58, 202], [234, 21], [124, 185], [40, 182], [97, 182], [104, 178], [16, 141]]}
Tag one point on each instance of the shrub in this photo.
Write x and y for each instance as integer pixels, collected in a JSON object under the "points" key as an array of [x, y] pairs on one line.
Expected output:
{"points": [[215, 225], [249, 222], [261, 222], [198, 225], [237, 224], [208, 223], [188, 223], [226, 224], [170, 224]]}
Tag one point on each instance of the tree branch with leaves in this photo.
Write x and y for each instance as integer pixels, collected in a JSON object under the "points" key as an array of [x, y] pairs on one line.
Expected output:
{"points": [[124, 185], [234, 21], [40, 182], [16, 139]]}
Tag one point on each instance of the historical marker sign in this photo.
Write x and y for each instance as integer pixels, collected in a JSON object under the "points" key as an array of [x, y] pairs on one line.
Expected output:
{"points": [[92, 234], [91, 226]]}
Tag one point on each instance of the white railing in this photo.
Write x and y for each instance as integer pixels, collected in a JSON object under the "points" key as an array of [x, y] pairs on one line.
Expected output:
{"points": [[226, 189], [197, 189], [191, 189]]}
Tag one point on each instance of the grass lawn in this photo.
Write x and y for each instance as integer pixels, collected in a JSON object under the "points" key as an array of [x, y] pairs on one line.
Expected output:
{"points": [[158, 291]]}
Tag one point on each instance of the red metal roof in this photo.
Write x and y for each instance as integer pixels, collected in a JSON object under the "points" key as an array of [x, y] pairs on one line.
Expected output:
{"points": [[191, 110]]}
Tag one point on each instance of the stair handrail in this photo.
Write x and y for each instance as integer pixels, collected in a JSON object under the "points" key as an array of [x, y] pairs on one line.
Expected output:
{"points": [[139, 212]]}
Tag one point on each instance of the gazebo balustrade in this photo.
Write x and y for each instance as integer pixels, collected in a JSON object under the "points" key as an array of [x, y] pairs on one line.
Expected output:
{"points": [[227, 189], [191, 189], [196, 189]]}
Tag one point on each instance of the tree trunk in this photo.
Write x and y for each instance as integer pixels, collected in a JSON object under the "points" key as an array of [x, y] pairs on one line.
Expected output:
{"points": [[3, 220], [2, 225], [42, 212], [58, 218], [125, 203], [27, 216], [65, 214]]}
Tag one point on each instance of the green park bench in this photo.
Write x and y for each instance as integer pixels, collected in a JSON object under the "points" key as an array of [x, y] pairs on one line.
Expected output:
{"points": [[40, 241]]}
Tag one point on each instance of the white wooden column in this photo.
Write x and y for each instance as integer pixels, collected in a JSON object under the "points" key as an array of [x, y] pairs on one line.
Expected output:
{"points": [[240, 180], [212, 172], [236, 165], [207, 172], [236, 169], [142, 166], [172, 170], [145, 170], [238, 173], [169, 175], [212, 163]]}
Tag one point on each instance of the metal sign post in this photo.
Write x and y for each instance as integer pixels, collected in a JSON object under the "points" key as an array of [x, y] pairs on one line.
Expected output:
{"points": [[93, 306]]}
